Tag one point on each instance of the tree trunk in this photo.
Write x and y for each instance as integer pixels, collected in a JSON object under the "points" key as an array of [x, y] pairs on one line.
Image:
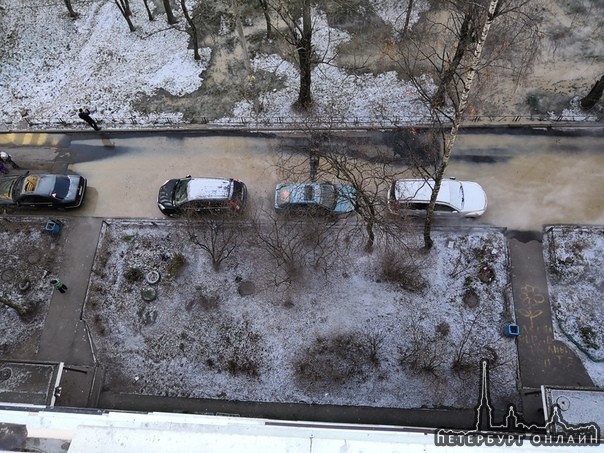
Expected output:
{"points": [[124, 9], [407, 17], [148, 10], [305, 55], [589, 101], [459, 111], [251, 85], [466, 30], [72, 13], [241, 36], [193, 29], [171, 19], [267, 18]]}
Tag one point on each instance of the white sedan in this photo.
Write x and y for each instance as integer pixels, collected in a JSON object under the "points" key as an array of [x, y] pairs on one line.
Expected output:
{"points": [[464, 198]]}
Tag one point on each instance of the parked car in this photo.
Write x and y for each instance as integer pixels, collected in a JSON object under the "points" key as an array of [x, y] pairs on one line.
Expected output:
{"points": [[464, 198], [188, 194], [316, 198], [44, 190]]}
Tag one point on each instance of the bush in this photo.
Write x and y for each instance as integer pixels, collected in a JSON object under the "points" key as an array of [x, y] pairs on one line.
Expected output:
{"points": [[589, 337], [176, 264], [336, 359], [239, 350], [133, 275], [403, 271]]}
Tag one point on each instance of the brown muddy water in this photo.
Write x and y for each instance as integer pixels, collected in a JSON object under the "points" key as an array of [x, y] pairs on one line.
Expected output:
{"points": [[530, 182], [539, 180]]}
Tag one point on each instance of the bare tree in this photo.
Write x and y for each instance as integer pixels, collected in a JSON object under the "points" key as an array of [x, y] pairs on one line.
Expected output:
{"points": [[236, 5], [465, 35], [449, 142], [72, 13], [296, 243], [592, 98], [267, 18], [407, 17], [149, 14], [296, 15], [467, 28], [217, 235], [193, 29], [333, 159], [170, 15], [124, 8]]}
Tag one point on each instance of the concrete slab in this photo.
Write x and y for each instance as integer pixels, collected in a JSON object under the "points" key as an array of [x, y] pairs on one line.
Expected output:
{"points": [[29, 382]]}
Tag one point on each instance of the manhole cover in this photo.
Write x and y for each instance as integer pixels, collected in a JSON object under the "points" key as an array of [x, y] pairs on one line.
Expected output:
{"points": [[8, 275], [563, 402], [5, 373], [471, 299], [148, 294], [246, 288]]}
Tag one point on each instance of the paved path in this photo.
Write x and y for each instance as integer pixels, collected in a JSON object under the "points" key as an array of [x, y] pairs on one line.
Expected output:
{"points": [[543, 360], [65, 336]]}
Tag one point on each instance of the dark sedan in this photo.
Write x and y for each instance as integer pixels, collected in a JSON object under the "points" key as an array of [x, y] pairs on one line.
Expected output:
{"points": [[50, 191]]}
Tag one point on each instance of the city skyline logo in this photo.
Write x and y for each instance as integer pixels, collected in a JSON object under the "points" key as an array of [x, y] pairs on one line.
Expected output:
{"points": [[514, 431]]}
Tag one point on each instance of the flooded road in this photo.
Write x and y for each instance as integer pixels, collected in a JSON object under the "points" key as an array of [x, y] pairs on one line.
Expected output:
{"points": [[536, 180], [125, 182], [529, 180]]}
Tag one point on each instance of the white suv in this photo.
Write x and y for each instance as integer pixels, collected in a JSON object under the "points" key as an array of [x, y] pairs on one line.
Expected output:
{"points": [[465, 198]]}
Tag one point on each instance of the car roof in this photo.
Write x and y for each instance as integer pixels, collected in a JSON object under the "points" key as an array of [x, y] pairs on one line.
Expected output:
{"points": [[302, 193], [38, 184], [420, 190], [209, 188]]}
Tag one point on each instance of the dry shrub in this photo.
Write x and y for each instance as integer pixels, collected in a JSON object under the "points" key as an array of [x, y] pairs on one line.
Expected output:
{"points": [[133, 275], [337, 359], [402, 269], [239, 350], [424, 353], [176, 265]]}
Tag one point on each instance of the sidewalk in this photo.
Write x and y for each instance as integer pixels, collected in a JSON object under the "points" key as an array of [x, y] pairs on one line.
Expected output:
{"points": [[543, 360], [65, 336]]}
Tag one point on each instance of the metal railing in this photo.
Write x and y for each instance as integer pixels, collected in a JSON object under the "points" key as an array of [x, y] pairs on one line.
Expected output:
{"points": [[282, 122]]}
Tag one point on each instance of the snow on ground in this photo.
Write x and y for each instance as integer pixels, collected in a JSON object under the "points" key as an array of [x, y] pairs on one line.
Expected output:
{"points": [[574, 258], [339, 335], [52, 65], [337, 94], [393, 12], [55, 65], [28, 258]]}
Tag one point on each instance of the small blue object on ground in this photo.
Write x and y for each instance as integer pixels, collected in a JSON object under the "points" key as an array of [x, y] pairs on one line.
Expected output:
{"points": [[511, 330], [52, 227]]}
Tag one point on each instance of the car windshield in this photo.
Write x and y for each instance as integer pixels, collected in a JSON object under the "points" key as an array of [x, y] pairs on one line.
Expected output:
{"points": [[61, 187], [180, 192], [328, 196], [7, 187]]}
